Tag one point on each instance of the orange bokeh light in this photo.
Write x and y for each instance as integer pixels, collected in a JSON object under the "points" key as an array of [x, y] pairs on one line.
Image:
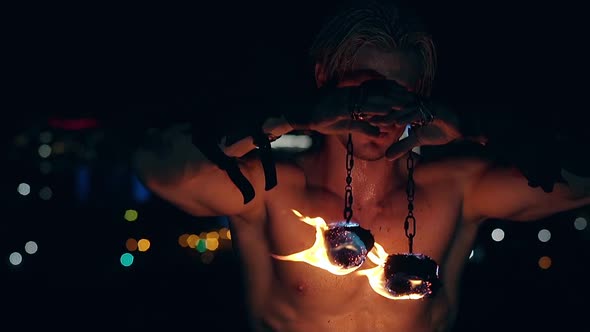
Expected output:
{"points": [[131, 244]]}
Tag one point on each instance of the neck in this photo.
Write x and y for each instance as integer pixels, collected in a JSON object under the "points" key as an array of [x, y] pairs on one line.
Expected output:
{"points": [[372, 181]]}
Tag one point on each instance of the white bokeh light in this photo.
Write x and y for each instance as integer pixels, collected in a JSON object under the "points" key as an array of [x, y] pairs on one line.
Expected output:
{"points": [[544, 235], [15, 258], [471, 254], [45, 193], [31, 247], [580, 223], [45, 137], [44, 151], [498, 234], [292, 142], [24, 189]]}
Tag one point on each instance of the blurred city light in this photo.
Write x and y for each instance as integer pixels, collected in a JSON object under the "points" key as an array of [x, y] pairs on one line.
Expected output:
{"points": [[580, 223], [143, 244], [24, 189], [131, 215], [31, 247], [131, 244], [545, 262], [44, 151], [498, 234], [45, 193], [126, 259], [15, 258], [544, 235]]}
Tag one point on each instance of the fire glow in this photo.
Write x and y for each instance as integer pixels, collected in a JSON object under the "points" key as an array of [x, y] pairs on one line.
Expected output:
{"points": [[317, 254], [376, 276]]}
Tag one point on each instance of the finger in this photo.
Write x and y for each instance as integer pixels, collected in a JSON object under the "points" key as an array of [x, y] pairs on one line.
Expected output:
{"points": [[401, 117], [383, 104], [357, 126], [402, 147]]}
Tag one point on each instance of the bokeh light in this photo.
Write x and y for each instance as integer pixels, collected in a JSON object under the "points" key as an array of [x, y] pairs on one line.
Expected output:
{"points": [[131, 244], [544, 235], [183, 240], [471, 254], [228, 235], [58, 147], [223, 233], [212, 235], [498, 234], [580, 223], [202, 245], [15, 258], [44, 151], [545, 262], [45, 193], [31, 247], [126, 259], [207, 257], [192, 240], [45, 137], [131, 215], [143, 244], [23, 189], [212, 244]]}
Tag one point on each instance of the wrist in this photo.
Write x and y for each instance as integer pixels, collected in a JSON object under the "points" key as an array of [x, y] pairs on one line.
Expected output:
{"points": [[275, 127]]}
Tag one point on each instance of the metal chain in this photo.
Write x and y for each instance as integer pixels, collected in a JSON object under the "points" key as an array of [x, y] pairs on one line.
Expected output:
{"points": [[410, 189], [348, 188]]}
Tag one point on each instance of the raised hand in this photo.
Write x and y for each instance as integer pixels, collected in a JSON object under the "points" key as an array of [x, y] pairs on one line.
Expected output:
{"points": [[432, 124], [350, 108]]}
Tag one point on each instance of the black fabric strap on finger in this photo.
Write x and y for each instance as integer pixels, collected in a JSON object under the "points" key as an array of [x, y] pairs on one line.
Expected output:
{"points": [[208, 146], [268, 164]]}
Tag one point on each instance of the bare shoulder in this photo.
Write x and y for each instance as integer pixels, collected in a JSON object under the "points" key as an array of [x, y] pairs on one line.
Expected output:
{"points": [[290, 173], [463, 169]]}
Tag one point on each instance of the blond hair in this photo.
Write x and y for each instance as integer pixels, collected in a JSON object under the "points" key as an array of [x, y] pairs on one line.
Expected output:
{"points": [[386, 25]]}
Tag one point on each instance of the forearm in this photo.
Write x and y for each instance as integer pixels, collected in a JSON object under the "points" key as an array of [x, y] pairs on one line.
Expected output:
{"points": [[169, 155], [238, 145], [545, 150]]}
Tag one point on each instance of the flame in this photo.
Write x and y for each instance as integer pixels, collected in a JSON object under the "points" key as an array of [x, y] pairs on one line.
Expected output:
{"points": [[376, 275], [317, 254]]}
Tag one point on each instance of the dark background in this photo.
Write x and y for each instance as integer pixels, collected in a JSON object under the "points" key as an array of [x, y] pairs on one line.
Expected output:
{"points": [[107, 73]]}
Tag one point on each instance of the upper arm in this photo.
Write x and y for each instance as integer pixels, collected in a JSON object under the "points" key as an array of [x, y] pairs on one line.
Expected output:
{"points": [[212, 193], [504, 193], [181, 175]]}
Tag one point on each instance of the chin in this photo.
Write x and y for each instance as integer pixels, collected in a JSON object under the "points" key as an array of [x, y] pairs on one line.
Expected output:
{"points": [[372, 148], [369, 155]]}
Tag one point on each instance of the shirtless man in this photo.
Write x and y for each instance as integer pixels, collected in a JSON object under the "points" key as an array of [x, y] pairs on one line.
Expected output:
{"points": [[453, 195]]}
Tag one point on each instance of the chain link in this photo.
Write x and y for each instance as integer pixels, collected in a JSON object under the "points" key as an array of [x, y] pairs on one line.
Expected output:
{"points": [[410, 190], [348, 189]]}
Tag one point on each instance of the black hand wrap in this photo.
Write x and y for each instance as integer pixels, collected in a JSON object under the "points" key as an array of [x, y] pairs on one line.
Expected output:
{"points": [[262, 141], [540, 147], [208, 144]]}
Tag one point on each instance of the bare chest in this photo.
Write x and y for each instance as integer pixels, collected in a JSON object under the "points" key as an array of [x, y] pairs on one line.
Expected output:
{"points": [[295, 237]]}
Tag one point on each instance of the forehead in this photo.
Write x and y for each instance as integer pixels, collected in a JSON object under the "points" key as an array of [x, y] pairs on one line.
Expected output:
{"points": [[400, 65]]}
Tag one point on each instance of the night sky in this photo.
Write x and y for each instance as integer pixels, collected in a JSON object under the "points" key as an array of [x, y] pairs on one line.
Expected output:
{"points": [[107, 73]]}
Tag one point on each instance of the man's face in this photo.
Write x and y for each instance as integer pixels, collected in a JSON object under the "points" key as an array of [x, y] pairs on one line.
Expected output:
{"points": [[372, 63]]}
